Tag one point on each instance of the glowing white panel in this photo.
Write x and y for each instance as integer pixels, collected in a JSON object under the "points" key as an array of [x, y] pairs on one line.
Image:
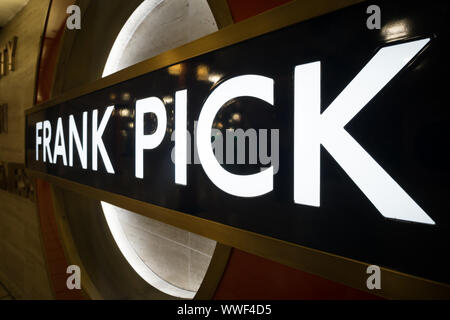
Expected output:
{"points": [[60, 145], [239, 185], [126, 34], [181, 137], [146, 142], [384, 193], [38, 139], [97, 141], [135, 261], [81, 147]]}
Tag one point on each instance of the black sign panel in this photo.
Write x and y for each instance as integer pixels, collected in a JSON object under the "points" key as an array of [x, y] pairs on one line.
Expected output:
{"points": [[354, 132]]}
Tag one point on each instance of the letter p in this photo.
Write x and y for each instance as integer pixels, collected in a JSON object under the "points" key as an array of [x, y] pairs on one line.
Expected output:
{"points": [[146, 142]]}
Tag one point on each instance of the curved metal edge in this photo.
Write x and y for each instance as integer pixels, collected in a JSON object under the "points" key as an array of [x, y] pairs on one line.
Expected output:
{"points": [[216, 269]]}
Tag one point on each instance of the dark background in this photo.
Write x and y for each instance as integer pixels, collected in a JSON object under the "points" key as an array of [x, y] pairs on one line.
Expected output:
{"points": [[404, 128]]}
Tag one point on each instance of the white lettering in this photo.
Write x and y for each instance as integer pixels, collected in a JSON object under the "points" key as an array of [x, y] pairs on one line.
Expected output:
{"points": [[313, 129], [145, 142], [60, 145], [239, 185], [181, 137], [47, 139], [38, 139], [97, 142], [73, 135]]}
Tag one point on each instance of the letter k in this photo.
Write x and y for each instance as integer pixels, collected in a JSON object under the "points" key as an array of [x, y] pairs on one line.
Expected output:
{"points": [[313, 129]]}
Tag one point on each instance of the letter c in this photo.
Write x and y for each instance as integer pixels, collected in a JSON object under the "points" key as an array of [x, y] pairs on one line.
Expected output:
{"points": [[238, 185]]}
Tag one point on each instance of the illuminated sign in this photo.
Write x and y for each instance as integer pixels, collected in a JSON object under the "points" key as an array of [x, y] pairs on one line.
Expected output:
{"points": [[311, 130], [353, 125]]}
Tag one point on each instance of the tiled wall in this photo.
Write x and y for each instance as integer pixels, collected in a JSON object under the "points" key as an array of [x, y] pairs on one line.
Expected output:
{"points": [[17, 87], [22, 267]]}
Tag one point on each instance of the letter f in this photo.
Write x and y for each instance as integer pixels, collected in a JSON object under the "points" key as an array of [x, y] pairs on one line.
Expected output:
{"points": [[313, 129]]}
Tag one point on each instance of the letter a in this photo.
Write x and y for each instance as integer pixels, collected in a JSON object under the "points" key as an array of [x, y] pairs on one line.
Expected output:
{"points": [[74, 280], [74, 20]]}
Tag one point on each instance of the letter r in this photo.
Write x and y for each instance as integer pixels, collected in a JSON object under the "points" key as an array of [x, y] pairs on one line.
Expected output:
{"points": [[313, 129]]}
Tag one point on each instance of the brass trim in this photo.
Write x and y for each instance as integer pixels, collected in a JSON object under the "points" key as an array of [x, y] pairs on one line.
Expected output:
{"points": [[221, 13], [395, 285], [278, 18]]}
